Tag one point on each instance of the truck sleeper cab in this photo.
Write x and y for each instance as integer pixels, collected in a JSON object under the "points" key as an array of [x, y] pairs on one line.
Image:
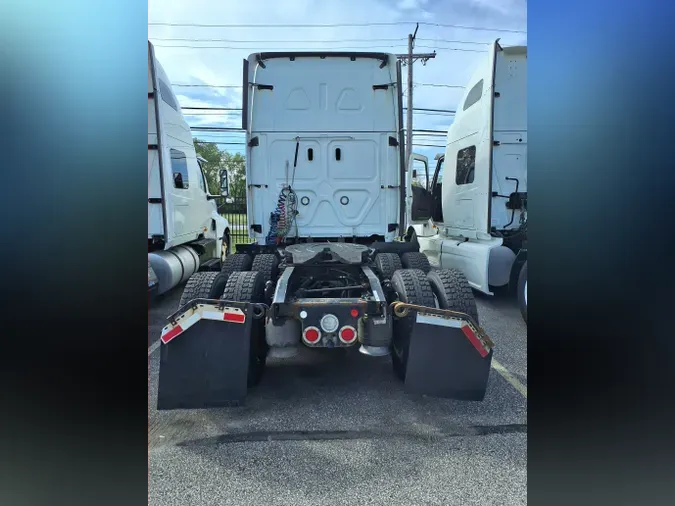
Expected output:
{"points": [[185, 231], [472, 213]]}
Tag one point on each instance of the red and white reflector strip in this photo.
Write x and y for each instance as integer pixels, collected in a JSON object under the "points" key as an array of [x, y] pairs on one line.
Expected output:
{"points": [[311, 335], [463, 325], [230, 314], [206, 312], [347, 334]]}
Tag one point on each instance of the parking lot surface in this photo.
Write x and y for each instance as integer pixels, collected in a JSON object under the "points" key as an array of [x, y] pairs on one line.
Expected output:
{"points": [[333, 428]]}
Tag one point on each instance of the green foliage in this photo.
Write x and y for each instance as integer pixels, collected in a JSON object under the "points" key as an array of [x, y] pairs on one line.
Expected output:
{"points": [[236, 168], [216, 160]]}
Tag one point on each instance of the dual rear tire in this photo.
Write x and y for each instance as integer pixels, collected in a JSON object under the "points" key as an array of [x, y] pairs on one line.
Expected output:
{"points": [[388, 263], [235, 286], [249, 286], [203, 285], [445, 289]]}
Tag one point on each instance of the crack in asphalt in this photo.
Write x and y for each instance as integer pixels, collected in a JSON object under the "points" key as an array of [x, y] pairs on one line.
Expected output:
{"points": [[332, 435]]}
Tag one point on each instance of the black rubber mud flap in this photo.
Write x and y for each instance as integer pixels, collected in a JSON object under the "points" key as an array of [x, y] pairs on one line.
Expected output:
{"points": [[206, 365], [444, 362]]}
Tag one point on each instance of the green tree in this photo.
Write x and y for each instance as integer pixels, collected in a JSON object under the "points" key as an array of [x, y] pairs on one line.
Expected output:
{"points": [[236, 169], [214, 162]]}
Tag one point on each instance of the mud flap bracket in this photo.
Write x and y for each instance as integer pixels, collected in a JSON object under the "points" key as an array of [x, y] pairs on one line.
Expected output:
{"points": [[204, 354]]}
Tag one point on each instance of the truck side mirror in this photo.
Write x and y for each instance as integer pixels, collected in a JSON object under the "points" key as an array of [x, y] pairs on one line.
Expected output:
{"points": [[224, 183], [414, 173]]}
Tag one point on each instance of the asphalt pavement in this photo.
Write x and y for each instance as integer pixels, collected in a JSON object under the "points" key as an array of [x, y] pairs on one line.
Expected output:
{"points": [[336, 428]]}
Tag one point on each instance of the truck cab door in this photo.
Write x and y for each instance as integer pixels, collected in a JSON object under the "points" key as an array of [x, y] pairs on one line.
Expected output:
{"points": [[436, 190], [208, 206], [418, 195]]}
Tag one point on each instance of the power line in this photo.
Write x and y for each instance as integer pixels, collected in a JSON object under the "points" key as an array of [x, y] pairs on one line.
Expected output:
{"points": [[207, 85], [440, 85], [316, 41], [230, 114], [456, 41], [436, 133], [450, 111], [424, 113], [213, 108], [233, 129], [221, 143], [257, 48], [435, 85], [210, 113], [215, 129], [238, 41], [336, 25], [243, 144], [430, 110], [454, 49]]}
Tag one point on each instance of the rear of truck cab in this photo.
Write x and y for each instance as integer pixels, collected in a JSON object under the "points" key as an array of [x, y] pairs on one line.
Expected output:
{"points": [[327, 125]]}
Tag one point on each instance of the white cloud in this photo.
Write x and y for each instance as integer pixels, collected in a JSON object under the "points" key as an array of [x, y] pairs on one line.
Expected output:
{"points": [[410, 4], [514, 7]]}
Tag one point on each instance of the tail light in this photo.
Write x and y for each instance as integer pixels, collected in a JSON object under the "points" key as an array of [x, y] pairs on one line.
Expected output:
{"points": [[311, 335], [347, 334]]}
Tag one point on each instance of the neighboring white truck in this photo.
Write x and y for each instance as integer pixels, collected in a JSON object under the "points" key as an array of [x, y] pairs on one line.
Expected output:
{"points": [[325, 175], [185, 231], [470, 213]]}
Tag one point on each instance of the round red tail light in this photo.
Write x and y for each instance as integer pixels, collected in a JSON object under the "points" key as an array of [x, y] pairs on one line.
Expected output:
{"points": [[354, 313], [347, 334], [311, 335]]}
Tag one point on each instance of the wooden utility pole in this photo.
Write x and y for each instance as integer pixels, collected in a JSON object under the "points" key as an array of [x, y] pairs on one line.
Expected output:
{"points": [[409, 116], [408, 59]]}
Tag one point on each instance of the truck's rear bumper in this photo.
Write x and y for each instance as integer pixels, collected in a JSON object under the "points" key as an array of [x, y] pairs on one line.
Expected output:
{"points": [[205, 352]]}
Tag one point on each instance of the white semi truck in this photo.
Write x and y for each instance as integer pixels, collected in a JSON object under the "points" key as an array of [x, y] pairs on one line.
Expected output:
{"points": [[470, 212], [185, 232], [325, 174]]}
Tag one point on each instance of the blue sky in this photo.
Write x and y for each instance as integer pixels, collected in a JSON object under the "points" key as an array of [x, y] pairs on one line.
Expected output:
{"points": [[452, 66]]}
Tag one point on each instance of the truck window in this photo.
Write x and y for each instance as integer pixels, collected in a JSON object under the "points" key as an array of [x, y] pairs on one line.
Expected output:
{"points": [[421, 176], [201, 180], [179, 170], [167, 95], [474, 95], [466, 165], [202, 177]]}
